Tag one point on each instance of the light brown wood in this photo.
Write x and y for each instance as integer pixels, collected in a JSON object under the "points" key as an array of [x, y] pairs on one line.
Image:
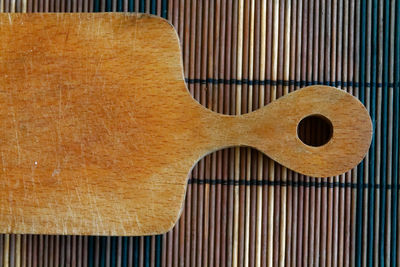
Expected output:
{"points": [[98, 131]]}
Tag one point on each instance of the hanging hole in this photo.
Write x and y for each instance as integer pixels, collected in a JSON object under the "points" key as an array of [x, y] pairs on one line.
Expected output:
{"points": [[315, 130]]}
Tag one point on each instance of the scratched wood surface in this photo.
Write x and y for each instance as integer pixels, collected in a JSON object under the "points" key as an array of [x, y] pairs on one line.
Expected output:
{"points": [[346, 220], [98, 131], [88, 136]]}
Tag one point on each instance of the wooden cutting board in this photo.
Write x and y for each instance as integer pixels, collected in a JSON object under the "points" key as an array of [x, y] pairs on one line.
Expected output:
{"points": [[98, 132]]}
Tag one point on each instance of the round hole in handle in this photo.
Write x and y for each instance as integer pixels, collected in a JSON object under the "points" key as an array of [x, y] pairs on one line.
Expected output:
{"points": [[315, 130]]}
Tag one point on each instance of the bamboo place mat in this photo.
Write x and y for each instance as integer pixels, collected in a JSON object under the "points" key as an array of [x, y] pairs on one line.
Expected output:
{"points": [[241, 208]]}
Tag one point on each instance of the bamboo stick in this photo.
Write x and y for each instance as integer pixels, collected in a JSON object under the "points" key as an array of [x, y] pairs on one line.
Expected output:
{"points": [[130, 251], [195, 169], [391, 138], [169, 249], [305, 77], [286, 77], [45, 251], [300, 219], [212, 243], [217, 162], [385, 145], [152, 253], [332, 192], [323, 191], [292, 190], [233, 158], [249, 151], [365, 23], [312, 71], [6, 250], [79, 253], [175, 11], [263, 26], [223, 96], [377, 77], [353, 69], [41, 251], [203, 99], [6, 6], [186, 58], [24, 252], [67, 251], [298, 257], [243, 109], [238, 111], [368, 173], [199, 63], [329, 72], [181, 19], [338, 215]]}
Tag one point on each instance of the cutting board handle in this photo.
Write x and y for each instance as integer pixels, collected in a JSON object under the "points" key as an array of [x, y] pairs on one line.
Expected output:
{"points": [[284, 131]]}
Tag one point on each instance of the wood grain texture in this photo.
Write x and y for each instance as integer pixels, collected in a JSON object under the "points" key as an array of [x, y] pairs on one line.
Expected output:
{"points": [[98, 131]]}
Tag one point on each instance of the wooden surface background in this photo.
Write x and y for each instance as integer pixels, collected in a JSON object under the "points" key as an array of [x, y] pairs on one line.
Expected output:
{"points": [[242, 208]]}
